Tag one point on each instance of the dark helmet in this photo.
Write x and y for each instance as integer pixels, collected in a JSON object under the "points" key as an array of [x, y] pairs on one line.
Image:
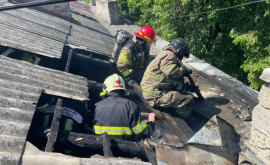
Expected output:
{"points": [[181, 47]]}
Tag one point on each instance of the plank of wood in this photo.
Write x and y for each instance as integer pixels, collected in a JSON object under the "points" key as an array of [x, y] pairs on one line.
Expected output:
{"points": [[106, 145], [168, 134], [149, 152], [173, 129], [139, 92], [55, 126], [182, 130]]}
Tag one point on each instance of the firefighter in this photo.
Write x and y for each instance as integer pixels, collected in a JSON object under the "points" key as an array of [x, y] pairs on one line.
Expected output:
{"points": [[73, 113], [163, 81], [29, 57], [134, 56], [120, 117]]}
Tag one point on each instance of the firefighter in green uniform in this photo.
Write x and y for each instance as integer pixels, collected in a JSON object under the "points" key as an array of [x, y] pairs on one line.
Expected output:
{"points": [[134, 56], [120, 117], [163, 81]]}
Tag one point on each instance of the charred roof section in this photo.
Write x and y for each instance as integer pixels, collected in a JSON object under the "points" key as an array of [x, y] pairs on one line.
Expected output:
{"points": [[33, 31], [21, 84]]}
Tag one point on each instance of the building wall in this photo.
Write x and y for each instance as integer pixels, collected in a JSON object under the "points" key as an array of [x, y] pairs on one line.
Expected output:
{"points": [[260, 131], [108, 10]]}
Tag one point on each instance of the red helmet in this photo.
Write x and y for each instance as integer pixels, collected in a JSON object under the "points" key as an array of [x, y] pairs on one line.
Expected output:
{"points": [[146, 32]]}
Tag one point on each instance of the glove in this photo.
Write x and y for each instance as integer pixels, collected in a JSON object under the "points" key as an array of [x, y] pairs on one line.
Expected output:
{"points": [[129, 81], [187, 71], [190, 88]]}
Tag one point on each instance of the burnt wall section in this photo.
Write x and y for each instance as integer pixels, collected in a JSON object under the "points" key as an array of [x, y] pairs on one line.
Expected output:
{"points": [[91, 67], [33, 31]]}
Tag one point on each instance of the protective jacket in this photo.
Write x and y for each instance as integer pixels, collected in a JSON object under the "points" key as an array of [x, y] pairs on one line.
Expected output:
{"points": [[163, 74], [120, 118], [71, 119], [133, 55]]}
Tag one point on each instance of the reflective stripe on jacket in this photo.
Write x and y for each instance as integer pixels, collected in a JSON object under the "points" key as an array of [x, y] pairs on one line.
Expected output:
{"points": [[163, 73], [70, 118], [119, 117], [130, 57]]}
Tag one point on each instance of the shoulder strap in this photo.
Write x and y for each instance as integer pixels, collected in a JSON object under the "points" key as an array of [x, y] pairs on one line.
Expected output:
{"points": [[134, 50], [131, 46]]}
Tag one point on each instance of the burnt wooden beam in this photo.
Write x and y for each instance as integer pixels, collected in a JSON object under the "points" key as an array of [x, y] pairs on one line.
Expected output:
{"points": [[174, 129], [55, 126], [106, 145], [57, 115], [149, 152], [139, 92], [94, 85], [8, 52], [68, 60], [37, 60], [95, 142]]}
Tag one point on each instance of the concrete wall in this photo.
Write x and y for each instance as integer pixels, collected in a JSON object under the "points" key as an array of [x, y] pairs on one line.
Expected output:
{"points": [[108, 10], [260, 131]]}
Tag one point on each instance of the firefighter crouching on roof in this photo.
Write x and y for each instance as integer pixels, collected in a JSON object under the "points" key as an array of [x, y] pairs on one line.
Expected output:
{"points": [[134, 56], [120, 117], [163, 81]]}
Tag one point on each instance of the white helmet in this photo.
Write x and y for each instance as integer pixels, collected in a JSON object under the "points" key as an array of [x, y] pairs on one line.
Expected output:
{"points": [[113, 82]]}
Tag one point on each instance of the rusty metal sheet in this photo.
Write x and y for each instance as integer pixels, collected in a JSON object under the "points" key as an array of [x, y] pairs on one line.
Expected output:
{"points": [[209, 134]]}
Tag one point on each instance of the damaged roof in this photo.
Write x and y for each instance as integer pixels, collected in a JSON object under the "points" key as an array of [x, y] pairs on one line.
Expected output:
{"points": [[44, 34], [21, 84], [21, 87], [33, 31]]}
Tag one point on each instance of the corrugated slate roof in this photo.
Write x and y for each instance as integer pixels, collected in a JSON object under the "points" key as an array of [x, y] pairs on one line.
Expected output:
{"points": [[33, 31], [21, 84], [89, 33]]}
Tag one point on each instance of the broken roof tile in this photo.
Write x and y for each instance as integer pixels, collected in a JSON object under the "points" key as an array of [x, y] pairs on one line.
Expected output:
{"points": [[21, 84]]}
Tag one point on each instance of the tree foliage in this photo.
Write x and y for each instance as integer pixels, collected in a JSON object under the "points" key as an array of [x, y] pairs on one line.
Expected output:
{"points": [[236, 40]]}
